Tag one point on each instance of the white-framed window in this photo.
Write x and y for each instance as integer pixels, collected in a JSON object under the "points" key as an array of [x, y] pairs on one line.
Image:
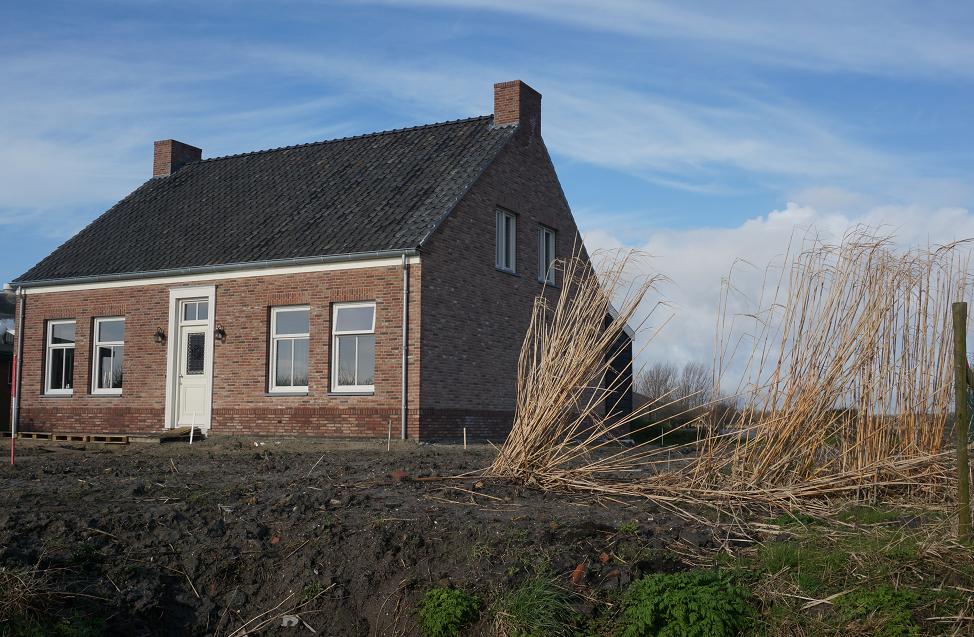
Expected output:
{"points": [[546, 255], [506, 241], [290, 337], [108, 354], [194, 311], [59, 378], [353, 347]]}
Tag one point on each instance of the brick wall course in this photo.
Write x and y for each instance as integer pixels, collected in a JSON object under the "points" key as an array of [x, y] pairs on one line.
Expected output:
{"points": [[241, 403]]}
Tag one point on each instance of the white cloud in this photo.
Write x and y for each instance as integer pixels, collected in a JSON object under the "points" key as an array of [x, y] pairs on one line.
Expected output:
{"points": [[897, 37], [698, 260]]}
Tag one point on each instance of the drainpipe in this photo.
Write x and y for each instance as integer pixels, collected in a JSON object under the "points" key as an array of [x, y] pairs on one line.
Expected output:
{"points": [[405, 337], [17, 368]]}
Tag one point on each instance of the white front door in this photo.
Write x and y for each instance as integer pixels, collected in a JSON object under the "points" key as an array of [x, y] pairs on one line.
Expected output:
{"points": [[192, 371]]}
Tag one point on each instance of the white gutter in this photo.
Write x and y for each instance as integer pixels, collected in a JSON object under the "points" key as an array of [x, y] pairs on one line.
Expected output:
{"points": [[405, 339], [223, 267], [18, 369]]}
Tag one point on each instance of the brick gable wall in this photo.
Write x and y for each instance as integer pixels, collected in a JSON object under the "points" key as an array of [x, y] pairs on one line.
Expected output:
{"points": [[475, 316], [241, 404]]}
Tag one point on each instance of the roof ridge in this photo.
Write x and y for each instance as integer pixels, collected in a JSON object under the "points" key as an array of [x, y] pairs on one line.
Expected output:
{"points": [[345, 139]]}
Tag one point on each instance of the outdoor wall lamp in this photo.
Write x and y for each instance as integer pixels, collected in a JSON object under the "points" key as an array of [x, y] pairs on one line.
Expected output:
{"points": [[160, 336], [219, 333]]}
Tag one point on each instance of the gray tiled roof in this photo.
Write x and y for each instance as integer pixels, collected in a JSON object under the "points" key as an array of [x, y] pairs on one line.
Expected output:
{"points": [[376, 192]]}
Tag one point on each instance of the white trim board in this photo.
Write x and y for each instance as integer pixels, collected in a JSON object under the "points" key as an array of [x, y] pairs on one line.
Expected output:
{"points": [[228, 274], [172, 348]]}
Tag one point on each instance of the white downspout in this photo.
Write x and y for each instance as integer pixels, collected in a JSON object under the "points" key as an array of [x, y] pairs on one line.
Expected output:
{"points": [[405, 338], [18, 369]]}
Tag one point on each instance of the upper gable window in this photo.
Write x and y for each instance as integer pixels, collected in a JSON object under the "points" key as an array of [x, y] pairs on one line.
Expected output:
{"points": [[546, 255], [108, 353], [506, 241], [59, 379]]}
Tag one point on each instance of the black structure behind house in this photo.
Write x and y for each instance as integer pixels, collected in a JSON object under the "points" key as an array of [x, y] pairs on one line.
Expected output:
{"points": [[618, 402]]}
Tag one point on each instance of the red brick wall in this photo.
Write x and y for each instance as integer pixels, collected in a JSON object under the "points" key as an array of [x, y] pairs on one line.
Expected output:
{"points": [[474, 316], [240, 400]]}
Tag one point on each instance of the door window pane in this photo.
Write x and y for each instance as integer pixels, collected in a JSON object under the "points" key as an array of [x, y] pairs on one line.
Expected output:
{"points": [[195, 353], [202, 310]]}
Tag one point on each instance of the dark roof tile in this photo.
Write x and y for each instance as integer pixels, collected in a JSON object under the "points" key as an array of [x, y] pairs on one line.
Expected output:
{"points": [[375, 192]]}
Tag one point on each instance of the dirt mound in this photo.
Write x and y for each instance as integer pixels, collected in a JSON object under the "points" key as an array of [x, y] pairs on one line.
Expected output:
{"points": [[178, 540]]}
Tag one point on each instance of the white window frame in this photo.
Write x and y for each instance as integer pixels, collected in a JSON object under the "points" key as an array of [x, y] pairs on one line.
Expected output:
{"points": [[272, 386], [546, 269], [95, 344], [49, 350], [350, 389], [501, 244]]}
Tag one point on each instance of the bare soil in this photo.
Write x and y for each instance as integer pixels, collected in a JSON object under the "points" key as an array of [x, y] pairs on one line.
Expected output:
{"points": [[174, 539]]}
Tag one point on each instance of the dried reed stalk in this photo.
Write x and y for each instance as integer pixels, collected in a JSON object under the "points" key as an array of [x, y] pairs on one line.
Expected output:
{"points": [[848, 366], [565, 372], [844, 382]]}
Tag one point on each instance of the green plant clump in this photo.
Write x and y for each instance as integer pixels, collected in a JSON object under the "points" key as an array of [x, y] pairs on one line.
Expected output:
{"points": [[443, 612], [690, 604], [885, 610], [538, 608]]}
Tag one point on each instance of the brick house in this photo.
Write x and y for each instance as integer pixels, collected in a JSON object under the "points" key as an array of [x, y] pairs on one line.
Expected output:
{"points": [[337, 288]]}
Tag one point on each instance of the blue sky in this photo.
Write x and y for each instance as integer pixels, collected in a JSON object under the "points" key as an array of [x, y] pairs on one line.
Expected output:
{"points": [[671, 125]]}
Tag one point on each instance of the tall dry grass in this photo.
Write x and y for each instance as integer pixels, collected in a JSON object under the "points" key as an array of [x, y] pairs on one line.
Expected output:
{"points": [[845, 366], [842, 368], [567, 389]]}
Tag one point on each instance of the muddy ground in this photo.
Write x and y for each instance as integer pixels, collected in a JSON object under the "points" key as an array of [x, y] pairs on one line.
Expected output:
{"points": [[170, 539]]}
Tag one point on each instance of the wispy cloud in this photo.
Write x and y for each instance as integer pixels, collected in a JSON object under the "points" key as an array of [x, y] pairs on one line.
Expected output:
{"points": [[892, 37]]}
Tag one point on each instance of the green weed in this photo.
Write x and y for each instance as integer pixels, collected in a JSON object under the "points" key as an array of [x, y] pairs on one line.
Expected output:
{"points": [[690, 604], [443, 612], [628, 528], [538, 608], [885, 611], [865, 514]]}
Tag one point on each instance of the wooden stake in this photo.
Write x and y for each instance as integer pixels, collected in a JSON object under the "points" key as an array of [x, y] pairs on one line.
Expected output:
{"points": [[464, 437], [962, 419]]}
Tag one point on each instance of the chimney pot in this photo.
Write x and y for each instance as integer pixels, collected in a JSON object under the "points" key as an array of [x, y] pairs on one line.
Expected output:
{"points": [[517, 103], [170, 155]]}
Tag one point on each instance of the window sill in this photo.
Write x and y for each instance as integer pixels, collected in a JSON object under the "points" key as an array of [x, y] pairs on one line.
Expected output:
{"points": [[286, 393], [105, 395], [549, 284], [508, 272], [351, 393], [71, 395]]}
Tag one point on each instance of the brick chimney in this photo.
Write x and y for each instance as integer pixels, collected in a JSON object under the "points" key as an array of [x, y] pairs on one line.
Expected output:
{"points": [[170, 156], [517, 103]]}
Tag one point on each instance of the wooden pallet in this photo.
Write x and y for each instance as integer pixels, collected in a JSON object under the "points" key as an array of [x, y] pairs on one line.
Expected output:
{"points": [[109, 440], [34, 435], [70, 437]]}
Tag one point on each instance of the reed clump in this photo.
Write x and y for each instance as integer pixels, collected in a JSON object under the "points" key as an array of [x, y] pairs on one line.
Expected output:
{"points": [[840, 373], [844, 371]]}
